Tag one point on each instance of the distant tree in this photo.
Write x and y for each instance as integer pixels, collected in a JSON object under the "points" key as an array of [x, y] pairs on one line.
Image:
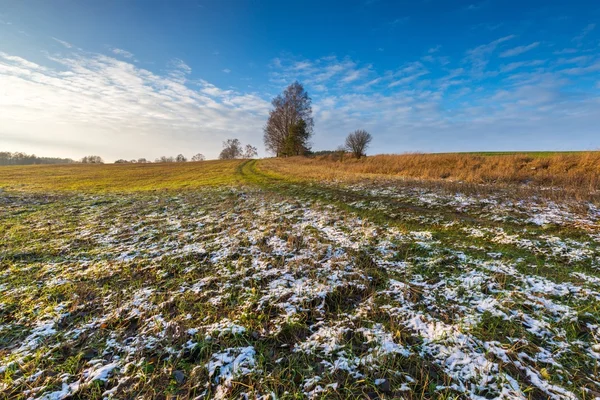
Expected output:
{"points": [[357, 142], [232, 148], [289, 108], [121, 161], [164, 159], [250, 151], [198, 157], [92, 160], [180, 158], [133, 161], [142, 161]]}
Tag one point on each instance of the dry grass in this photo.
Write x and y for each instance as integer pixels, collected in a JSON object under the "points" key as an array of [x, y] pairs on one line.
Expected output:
{"points": [[576, 173], [118, 177]]}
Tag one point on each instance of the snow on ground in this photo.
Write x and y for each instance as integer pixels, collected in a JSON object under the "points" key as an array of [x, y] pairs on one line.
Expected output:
{"points": [[243, 292]]}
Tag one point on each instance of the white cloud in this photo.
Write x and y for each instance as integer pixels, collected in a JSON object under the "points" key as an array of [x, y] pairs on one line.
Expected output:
{"points": [[519, 50], [521, 64], [595, 67], [98, 104], [574, 60], [302, 65], [566, 51], [355, 74], [409, 73], [318, 72], [227, 70], [66, 44], [478, 57], [121, 52], [181, 65]]}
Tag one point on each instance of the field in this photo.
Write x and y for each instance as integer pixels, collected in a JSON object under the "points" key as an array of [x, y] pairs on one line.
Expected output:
{"points": [[296, 279]]}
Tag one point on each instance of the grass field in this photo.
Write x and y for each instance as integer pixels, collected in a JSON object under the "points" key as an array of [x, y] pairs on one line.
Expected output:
{"points": [[292, 279], [118, 177]]}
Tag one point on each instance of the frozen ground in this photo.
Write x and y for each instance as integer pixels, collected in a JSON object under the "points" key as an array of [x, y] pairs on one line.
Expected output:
{"points": [[352, 292]]}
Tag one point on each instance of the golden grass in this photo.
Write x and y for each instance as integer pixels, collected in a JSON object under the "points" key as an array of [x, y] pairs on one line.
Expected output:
{"points": [[579, 172], [119, 177]]}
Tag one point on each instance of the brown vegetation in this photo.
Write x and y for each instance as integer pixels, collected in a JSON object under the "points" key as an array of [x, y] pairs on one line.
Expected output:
{"points": [[574, 172]]}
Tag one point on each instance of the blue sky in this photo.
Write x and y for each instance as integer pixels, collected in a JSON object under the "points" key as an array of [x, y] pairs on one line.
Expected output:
{"points": [[129, 79]]}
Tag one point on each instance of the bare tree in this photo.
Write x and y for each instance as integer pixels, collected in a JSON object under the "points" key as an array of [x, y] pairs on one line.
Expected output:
{"points": [[250, 151], [358, 141], [232, 148], [92, 160], [198, 157], [180, 158], [164, 159], [121, 161], [289, 108], [142, 161]]}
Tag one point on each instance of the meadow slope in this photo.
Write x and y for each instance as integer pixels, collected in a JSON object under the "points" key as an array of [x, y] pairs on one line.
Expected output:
{"points": [[250, 280]]}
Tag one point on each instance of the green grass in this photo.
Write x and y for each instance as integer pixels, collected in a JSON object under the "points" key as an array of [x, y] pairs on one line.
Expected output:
{"points": [[119, 178]]}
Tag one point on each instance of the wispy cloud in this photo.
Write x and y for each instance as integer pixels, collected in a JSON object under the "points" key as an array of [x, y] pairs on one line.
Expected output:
{"points": [[478, 57], [520, 64], [515, 51], [565, 51], [121, 52], [227, 70], [66, 44], [586, 31], [409, 73], [592, 68], [98, 104]]}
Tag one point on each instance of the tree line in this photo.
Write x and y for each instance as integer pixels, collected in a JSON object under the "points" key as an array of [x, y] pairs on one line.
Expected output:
{"points": [[163, 159], [18, 158], [290, 126]]}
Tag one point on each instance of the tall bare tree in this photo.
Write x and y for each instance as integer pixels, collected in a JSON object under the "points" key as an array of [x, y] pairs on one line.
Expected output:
{"points": [[180, 158], [198, 157], [289, 108], [358, 141]]}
